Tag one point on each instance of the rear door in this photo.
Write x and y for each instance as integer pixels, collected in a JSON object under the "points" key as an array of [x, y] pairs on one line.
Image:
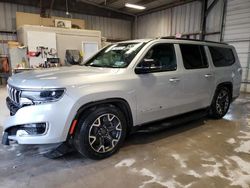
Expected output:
{"points": [[197, 78]]}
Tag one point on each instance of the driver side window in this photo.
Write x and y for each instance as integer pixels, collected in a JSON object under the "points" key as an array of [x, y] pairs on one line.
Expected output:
{"points": [[160, 57]]}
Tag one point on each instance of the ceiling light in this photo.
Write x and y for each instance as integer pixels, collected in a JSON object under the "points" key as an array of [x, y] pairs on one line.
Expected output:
{"points": [[129, 5]]}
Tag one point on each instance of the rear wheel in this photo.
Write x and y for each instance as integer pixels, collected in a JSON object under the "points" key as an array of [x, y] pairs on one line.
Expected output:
{"points": [[221, 103], [100, 132]]}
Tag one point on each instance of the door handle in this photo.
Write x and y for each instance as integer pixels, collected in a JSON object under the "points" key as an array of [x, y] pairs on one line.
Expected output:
{"points": [[208, 75], [174, 79]]}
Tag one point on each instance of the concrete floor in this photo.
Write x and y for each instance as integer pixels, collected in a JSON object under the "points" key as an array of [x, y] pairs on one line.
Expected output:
{"points": [[202, 154]]}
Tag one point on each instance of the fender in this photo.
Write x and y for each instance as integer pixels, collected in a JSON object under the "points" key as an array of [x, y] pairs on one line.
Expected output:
{"points": [[122, 104]]}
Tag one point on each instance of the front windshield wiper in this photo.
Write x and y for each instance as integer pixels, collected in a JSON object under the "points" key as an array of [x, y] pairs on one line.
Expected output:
{"points": [[94, 65]]}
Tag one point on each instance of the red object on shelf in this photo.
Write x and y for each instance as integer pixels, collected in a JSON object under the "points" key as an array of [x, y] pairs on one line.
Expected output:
{"points": [[32, 54]]}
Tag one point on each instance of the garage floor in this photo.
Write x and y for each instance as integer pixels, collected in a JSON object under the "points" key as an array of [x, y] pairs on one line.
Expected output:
{"points": [[205, 153]]}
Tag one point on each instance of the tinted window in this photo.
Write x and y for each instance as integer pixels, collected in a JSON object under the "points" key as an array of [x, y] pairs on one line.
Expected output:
{"points": [[163, 56], [193, 56], [221, 56]]}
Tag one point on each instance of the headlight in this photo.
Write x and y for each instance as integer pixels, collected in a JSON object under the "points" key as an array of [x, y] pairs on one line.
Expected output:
{"points": [[43, 96]]}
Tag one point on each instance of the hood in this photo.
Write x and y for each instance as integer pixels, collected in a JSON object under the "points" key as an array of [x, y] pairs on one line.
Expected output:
{"points": [[61, 77]]}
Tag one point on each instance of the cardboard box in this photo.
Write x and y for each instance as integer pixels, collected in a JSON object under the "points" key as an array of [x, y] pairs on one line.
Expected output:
{"points": [[62, 23], [35, 19], [13, 44], [27, 19]]}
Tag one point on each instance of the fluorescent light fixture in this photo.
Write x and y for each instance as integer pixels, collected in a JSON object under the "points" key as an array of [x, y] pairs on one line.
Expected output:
{"points": [[129, 5]]}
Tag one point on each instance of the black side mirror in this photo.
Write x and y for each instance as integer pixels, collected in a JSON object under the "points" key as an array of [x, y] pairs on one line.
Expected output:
{"points": [[147, 66]]}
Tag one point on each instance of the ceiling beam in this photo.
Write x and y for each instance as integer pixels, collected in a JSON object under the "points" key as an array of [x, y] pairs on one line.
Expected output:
{"points": [[144, 2], [211, 6], [108, 2], [76, 6]]}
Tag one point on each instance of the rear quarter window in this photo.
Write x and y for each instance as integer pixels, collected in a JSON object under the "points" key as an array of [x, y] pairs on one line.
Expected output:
{"points": [[222, 56], [193, 56]]}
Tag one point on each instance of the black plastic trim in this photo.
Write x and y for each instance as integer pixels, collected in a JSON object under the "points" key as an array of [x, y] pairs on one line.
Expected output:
{"points": [[118, 102]]}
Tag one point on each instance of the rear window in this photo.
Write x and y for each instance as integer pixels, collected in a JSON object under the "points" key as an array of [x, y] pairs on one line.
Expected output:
{"points": [[222, 56], [193, 56]]}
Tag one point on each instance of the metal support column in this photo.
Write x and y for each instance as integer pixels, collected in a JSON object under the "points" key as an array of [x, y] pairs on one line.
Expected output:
{"points": [[223, 19], [203, 19]]}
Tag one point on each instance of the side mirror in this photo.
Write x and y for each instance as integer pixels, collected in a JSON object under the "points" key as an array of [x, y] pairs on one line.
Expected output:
{"points": [[147, 66]]}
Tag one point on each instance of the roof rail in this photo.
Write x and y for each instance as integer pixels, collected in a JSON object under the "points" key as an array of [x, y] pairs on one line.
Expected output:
{"points": [[197, 40]]}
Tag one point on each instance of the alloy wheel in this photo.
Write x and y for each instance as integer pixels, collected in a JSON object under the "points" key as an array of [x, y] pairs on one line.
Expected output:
{"points": [[105, 133], [222, 102]]}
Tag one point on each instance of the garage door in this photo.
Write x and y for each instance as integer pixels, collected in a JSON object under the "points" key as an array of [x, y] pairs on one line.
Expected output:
{"points": [[237, 33]]}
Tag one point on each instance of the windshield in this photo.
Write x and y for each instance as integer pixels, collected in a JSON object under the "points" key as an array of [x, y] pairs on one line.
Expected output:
{"points": [[116, 55]]}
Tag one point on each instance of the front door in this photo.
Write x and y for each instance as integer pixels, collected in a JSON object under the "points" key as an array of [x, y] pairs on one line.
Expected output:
{"points": [[159, 91]]}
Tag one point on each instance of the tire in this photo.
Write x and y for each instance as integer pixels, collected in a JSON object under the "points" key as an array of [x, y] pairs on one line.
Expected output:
{"points": [[100, 132], [220, 103]]}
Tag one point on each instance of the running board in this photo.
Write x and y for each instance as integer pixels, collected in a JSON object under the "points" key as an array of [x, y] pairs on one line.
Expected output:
{"points": [[170, 122]]}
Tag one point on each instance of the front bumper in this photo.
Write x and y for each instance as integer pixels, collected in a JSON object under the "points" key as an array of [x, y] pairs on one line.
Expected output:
{"points": [[57, 115]]}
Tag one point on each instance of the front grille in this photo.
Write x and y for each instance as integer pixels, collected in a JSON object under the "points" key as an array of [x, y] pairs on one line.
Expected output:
{"points": [[14, 94]]}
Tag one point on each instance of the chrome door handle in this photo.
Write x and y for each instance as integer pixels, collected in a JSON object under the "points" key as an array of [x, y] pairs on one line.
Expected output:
{"points": [[208, 75], [174, 79]]}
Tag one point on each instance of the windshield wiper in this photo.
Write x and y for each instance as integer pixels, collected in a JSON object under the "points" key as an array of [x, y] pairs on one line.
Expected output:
{"points": [[94, 65]]}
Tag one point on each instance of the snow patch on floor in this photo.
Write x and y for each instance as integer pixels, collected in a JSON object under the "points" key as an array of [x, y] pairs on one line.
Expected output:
{"points": [[193, 173], [210, 159], [246, 135], [171, 183], [125, 163], [214, 170], [244, 147], [237, 176], [155, 179], [244, 166], [231, 141], [180, 160], [244, 143], [241, 175]]}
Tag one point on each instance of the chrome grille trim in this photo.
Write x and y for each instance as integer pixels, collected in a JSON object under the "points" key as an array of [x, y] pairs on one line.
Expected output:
{"points": [[14, 94]]}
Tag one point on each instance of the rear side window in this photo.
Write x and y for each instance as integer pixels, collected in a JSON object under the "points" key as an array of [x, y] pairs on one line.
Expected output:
{"points": [[222, 56], [193, 56]]}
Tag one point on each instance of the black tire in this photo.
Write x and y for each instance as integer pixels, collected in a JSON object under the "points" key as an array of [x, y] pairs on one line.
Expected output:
{"points": [[220, 103], [97, 137]]}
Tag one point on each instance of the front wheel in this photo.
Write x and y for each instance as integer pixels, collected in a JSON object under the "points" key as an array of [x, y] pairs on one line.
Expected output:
{"points": [[221, 103], [100, 132]]}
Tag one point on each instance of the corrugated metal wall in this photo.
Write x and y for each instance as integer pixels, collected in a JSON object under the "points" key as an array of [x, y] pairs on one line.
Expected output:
{"points": [[237, 33], [181, 19], [114, 29]]}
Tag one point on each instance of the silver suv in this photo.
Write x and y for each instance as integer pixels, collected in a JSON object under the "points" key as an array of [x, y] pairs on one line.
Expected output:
{"points": [[95, 105]]}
